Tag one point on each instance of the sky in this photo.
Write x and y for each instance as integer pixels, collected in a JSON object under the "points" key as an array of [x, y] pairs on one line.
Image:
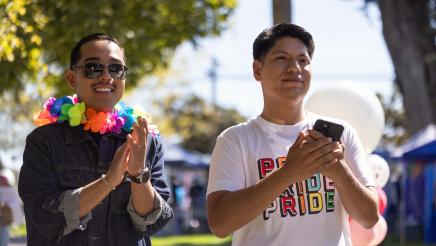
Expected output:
{"points": [[349, 47]]}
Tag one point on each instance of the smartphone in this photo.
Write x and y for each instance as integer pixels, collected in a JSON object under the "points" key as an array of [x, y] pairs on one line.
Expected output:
{"points": [[329, 129]]}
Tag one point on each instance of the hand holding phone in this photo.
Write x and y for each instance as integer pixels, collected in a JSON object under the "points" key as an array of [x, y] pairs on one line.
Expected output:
{"points": [[329, 129]]}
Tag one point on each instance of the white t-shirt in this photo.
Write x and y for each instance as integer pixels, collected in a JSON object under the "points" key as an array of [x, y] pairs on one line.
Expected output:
{"points": [[307, 213]]}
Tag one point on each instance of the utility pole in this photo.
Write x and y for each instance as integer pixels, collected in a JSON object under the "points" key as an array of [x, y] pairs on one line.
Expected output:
{"points": [[212, 74], [282, 11]]}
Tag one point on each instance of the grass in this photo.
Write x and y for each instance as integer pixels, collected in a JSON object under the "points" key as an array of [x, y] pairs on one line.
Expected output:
{"points": [[191, 240], [184, 240], [18, 231], [209, 240], [391, 240]]}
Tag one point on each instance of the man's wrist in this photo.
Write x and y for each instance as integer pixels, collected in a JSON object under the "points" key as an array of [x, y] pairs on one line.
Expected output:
{"points": [[106, 181], [135, 173], [142, 177], [342, 177]]}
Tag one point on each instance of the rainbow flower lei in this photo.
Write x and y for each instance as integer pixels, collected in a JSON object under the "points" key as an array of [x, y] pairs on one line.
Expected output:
{"points": [[68, 108]]}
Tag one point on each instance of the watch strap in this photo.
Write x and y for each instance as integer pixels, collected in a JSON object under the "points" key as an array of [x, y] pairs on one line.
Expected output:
{"points": [[143, 176]]}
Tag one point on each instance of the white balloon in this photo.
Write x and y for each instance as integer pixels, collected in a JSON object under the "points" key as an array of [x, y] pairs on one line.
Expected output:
{"points": [[380, 169], [356, 105], [9, 175]]}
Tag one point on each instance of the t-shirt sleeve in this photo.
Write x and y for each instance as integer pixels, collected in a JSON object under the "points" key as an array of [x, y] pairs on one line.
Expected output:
{"points": [[226, 170], [356, 158]]}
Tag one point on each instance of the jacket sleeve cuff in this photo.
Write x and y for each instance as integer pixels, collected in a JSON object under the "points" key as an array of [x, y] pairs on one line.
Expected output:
{"points": [[141, 222], [70, 207]]}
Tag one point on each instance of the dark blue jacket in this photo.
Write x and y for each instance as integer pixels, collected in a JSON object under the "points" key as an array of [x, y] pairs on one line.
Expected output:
{"points": [[58, 158]]}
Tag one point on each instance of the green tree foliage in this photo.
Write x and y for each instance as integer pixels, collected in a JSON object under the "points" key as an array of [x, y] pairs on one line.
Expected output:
{"points": [[396, 129], [195, 121], [20, 44], [38, 35]]}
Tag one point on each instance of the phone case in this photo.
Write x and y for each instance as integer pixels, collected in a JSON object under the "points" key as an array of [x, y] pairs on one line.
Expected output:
{"points": [[329, 129]]}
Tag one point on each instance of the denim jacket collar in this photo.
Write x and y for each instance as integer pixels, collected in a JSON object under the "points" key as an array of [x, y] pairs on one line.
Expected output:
{"points": [[76, 134]]}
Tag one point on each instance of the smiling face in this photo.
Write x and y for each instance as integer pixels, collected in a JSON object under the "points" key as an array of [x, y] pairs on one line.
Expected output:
{"points": [[284, 72], [103, 92]]}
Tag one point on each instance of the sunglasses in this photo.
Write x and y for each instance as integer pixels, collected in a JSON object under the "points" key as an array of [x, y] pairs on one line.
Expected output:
{"points": [[93, 70]]}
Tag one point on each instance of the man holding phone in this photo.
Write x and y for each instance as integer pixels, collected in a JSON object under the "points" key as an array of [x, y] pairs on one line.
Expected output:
{"points": [[274, 180]]}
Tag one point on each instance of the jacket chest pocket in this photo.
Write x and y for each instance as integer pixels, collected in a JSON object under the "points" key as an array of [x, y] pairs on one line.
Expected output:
{"points": [[73, 177]]}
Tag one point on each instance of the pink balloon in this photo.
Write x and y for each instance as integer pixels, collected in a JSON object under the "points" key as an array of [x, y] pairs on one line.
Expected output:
{"points": [[381, 228], [360, 236], [382, 200]]}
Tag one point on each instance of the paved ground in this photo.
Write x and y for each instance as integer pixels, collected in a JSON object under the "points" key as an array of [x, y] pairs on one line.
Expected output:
{"points": [[18, 241]]}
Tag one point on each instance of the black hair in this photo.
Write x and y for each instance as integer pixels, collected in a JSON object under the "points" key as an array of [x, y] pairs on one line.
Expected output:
{"points": [[75, 52], [268, 37]]}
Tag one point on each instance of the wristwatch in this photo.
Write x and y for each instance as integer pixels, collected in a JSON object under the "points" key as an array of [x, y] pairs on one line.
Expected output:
{"points": [[143, 176]]}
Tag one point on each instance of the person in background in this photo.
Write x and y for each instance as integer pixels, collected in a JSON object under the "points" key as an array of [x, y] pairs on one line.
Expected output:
{"points": [[10, 205], [197, 193]]}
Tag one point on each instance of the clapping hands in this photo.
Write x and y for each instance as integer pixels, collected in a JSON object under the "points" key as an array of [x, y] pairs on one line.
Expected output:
{"points": [[130, 157]]}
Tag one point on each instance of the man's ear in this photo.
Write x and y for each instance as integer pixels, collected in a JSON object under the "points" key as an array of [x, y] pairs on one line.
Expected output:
{"points": [[257, 68], [71, 78]]}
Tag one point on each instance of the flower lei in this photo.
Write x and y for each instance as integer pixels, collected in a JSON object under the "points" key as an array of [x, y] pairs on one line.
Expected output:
{"points": [[68, 108]]}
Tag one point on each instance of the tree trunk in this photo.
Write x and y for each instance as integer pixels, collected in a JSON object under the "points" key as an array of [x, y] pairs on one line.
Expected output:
{"points": [[281, 11], [411, 43]]}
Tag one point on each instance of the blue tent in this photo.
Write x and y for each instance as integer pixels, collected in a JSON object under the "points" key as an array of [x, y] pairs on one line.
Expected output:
{"points": [[421, 148], [426, 152], [177, 156]]}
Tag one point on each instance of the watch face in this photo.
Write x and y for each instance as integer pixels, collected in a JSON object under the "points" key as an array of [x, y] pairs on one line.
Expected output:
{"points": [[146, 176], [143, 176]]}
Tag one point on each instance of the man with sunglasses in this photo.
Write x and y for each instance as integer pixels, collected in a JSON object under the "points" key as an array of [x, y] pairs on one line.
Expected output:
{"points": [[98, 181]]}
